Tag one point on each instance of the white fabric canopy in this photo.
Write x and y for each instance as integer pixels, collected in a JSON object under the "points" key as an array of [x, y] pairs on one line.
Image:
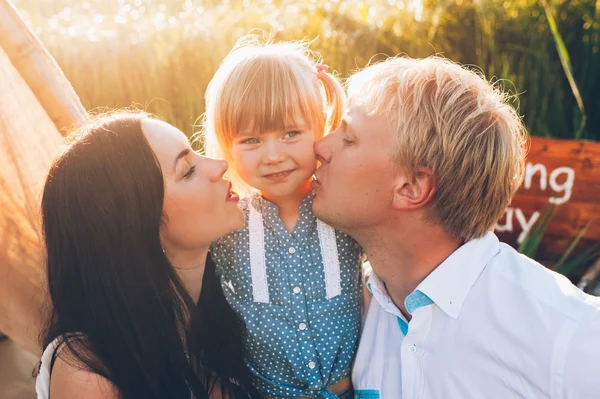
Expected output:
{"points": [[36, 101]]}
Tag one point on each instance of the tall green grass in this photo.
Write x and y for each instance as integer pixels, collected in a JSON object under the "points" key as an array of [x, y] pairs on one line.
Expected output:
{"points": [[162, 56], [573, 264]]}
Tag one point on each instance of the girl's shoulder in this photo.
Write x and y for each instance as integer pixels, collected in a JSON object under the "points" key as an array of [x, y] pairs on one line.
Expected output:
{"points": [[254, 201], [222, 246], [244, 203]]}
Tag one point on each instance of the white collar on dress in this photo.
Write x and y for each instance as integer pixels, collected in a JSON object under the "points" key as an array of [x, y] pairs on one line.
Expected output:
{"points": [[258, 267]]}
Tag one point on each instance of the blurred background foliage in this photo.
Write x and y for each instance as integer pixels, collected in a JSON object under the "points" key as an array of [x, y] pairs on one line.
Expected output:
{"points": [[161, 54]]}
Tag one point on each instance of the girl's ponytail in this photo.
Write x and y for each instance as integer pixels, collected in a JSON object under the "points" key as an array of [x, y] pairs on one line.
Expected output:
{"points": [[335, 97]]}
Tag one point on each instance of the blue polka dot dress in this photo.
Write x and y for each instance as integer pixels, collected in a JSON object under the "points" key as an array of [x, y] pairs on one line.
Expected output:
{"points": [[299, 296]]}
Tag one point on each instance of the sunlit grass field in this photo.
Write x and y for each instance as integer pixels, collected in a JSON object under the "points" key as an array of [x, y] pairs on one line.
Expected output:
{"points": [[161, 54]]}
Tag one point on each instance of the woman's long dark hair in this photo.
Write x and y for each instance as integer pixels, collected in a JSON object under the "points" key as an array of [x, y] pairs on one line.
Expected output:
{"points": [[109, 279]]}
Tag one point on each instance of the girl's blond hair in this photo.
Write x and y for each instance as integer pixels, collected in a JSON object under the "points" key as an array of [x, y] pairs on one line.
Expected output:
{"points": [[263, 86], [453, 121]]}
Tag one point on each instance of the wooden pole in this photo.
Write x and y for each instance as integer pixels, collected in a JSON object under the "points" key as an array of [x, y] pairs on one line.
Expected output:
{"points": [[36, 102], [39, 69]]}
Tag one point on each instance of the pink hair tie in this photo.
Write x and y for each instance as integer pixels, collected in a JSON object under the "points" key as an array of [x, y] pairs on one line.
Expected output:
{"points": [[321, 68]]}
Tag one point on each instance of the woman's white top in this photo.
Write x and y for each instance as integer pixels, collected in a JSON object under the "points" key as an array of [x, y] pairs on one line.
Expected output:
{"points": [[42, 382]]}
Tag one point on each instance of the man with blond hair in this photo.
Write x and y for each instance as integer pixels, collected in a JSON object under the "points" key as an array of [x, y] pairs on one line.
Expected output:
{"points": [[427, 158]]}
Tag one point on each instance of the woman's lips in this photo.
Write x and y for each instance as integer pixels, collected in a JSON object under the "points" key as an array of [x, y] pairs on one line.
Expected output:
{"points": [[231, 195]]}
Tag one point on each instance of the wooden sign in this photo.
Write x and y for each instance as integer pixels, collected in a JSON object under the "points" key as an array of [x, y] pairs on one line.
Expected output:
{"points": [[561, 172]]}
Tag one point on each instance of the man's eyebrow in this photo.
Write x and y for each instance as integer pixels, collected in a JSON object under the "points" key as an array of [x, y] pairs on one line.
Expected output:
{"points": [[182, 154], [346, 121]]}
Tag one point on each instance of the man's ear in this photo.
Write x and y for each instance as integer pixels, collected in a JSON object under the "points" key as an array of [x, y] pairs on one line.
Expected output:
{"points": [[413, 191]]}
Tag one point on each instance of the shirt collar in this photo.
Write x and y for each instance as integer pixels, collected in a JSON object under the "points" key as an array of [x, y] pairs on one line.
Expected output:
{"points": [[414, 301], [449, 284], [270, 211], [377, 288]]}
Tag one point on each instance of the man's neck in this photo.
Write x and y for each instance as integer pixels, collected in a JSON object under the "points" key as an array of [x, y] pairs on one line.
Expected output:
{"points": [[403, 258]]}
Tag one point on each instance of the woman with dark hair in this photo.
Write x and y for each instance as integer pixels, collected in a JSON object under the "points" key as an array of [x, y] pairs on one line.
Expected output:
{"points": [[129, 211]]}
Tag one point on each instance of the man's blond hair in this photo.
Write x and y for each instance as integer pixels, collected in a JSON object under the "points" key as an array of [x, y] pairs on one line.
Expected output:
{"points": [[263, 86], [451, 120]]}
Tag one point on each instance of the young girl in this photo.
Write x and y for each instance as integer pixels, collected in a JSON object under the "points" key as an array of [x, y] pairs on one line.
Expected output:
{"points": [[294, 281]]}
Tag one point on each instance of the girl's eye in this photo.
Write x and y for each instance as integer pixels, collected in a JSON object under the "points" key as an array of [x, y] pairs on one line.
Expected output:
{"points": [[251, 140], [291, 135], [190, 172]]}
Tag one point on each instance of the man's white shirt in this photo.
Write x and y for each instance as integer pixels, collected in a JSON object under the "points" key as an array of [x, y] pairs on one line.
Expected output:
{"points": [[487, 323]]}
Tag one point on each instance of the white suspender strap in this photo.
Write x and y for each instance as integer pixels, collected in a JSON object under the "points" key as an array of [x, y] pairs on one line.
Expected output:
{"points": [[331, 260]]}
